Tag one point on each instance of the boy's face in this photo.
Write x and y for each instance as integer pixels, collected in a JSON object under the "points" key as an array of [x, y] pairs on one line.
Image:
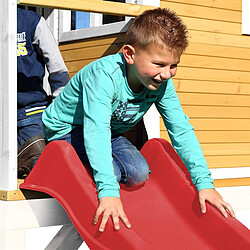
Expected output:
{"points": [[151, 67]]}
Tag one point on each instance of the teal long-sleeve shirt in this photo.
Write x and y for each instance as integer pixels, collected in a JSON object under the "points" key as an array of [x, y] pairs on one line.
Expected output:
{"points": [[99, 99]]}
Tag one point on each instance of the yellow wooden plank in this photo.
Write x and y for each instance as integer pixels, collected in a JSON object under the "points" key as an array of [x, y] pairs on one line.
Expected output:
{"points": [[201, 124], [198, 61], [212, 26], [229, 161], [221, 124], [226, 149], [211, 87], [117, 8], [232, 182], [214, 99], [223, 136], [194, 48], [204, 12], [91, 52], [74, 67], [218, 136], [216, 112], [93, 42], [21, 194], [164, 135], [71, 74], [218, 149], [217, 50], [12, 195], [220, 39], [212, 62], [99, 6], [212, 75], [232, 4]]}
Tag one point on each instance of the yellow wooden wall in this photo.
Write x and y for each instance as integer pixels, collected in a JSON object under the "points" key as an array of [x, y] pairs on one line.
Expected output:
{"points": [[213, 79], [77, 54], [213, 82]]}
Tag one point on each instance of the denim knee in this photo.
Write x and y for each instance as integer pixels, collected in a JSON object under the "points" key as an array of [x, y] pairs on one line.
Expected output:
{"points": [[131, 174], [132, 165], [137, 174]]}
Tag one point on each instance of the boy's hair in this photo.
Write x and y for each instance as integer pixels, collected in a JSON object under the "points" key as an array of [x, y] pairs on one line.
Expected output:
{"points": [[160, 27]]}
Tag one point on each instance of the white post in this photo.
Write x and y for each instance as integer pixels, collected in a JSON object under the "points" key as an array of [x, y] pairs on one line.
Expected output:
{"points": [[96, 19], [8, 96], [245, 17]]}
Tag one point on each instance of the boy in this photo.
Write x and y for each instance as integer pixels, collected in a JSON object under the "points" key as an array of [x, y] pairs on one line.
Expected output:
{"points": [[110, 95]]}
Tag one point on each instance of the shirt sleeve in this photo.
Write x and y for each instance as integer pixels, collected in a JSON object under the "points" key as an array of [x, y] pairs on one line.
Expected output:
{"points": [[98, 91], [46, 46], [183, 137]]}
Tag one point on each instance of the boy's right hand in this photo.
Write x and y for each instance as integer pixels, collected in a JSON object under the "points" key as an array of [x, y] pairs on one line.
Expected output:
{"points": [[111, 206]]}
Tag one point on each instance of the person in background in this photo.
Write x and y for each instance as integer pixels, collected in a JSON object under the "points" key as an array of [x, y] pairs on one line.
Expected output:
{"points": [[36, 47]]}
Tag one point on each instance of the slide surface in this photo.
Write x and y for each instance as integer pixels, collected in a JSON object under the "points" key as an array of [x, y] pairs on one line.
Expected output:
{"points": [[164, 211]]}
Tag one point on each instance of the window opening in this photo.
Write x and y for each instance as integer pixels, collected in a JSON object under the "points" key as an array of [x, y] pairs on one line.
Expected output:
{"points": [[112, 19], [81, 20]]}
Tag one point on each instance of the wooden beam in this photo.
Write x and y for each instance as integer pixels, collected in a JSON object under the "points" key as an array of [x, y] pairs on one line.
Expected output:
{"points": [[16, 195], [97, 6], [13, 194], [234, 182]]}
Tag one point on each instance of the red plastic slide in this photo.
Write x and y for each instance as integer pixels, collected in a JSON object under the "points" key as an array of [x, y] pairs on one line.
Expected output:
{"points": [[164, 212]]}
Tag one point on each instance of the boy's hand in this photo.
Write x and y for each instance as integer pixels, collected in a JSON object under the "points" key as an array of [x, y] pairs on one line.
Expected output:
{"points": [[213, 197], [111, 206]]}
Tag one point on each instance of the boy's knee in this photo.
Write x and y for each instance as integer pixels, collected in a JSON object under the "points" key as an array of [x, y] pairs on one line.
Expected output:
{"points": [[138, 176]]}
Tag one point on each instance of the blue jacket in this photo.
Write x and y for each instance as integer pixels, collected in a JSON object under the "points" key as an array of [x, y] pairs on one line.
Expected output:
{"points": [[36, 47]]}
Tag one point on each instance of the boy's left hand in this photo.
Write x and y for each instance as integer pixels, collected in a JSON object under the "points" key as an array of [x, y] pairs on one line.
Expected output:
{"points": [[213, 197]]}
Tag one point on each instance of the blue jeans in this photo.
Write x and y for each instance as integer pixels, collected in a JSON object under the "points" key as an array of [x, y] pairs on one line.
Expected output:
{"points": [[130, 167], [28, 127]]}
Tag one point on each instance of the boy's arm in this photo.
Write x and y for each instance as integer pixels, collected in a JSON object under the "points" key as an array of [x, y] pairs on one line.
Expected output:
{"points": [[97, 95], [98, 92], [183, 138], [47, 47], [187, 146]]}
